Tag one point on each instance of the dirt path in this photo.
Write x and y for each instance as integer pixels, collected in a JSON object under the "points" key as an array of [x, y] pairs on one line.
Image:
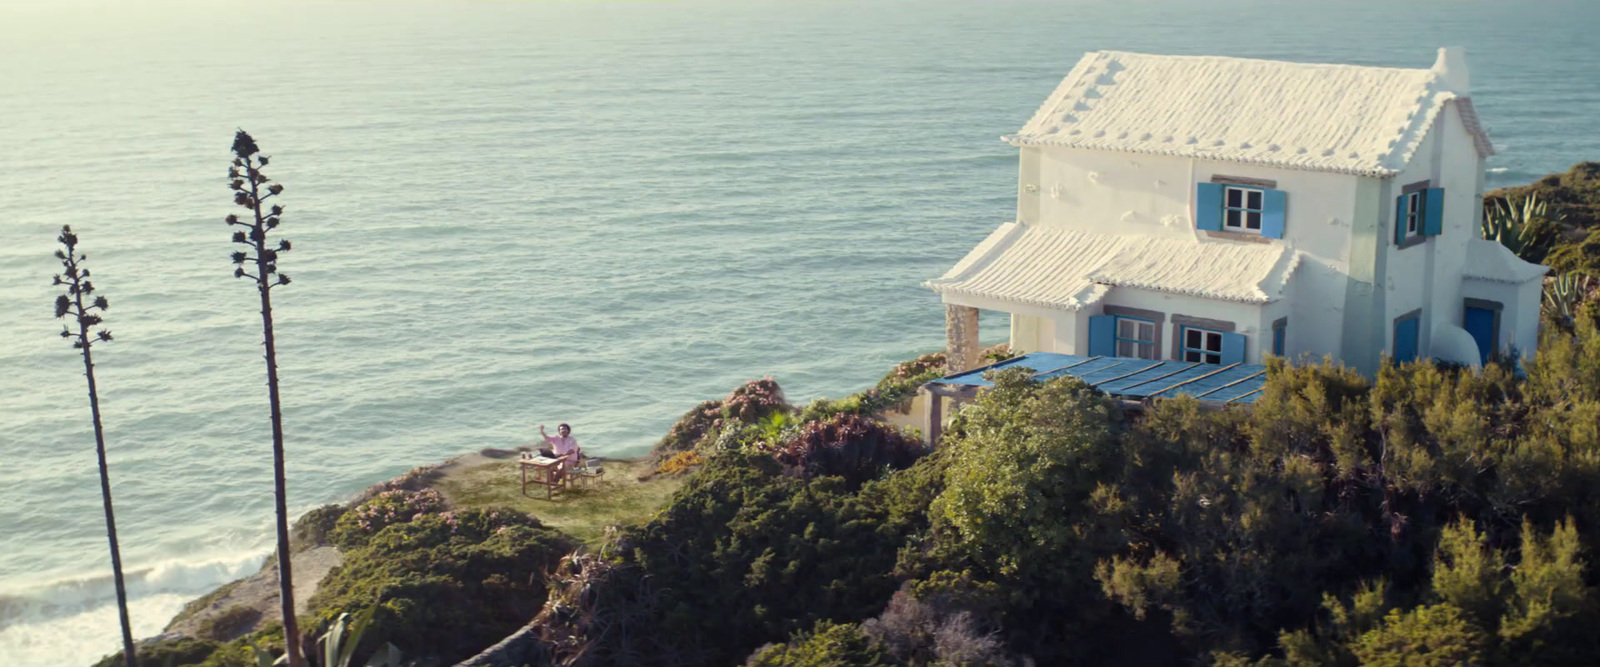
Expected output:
{"points": [[242, 607]]}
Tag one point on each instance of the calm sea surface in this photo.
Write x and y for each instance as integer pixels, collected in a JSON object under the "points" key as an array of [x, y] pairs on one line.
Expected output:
{"points": [[507, 214]]}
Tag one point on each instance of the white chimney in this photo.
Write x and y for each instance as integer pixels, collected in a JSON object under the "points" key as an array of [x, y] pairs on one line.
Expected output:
{"points": [[1452, 69]]}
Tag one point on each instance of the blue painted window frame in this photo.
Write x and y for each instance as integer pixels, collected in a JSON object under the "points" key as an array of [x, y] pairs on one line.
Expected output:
{"points": [[1117, 339], [1201, 354], [1244, 210]]}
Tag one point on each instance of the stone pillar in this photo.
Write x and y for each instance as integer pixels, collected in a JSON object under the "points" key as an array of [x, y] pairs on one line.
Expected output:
{"points": [[961, 337]]}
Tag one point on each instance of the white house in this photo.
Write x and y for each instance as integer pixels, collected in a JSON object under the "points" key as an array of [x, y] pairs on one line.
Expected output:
{"points": [[1221, 209]]}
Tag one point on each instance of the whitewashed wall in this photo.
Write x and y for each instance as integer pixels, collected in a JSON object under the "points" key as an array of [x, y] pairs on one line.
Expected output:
{"points": [[1428, 276]]}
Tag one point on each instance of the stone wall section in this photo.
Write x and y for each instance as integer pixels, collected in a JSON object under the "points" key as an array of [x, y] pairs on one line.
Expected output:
{"points": [[961, 337]]}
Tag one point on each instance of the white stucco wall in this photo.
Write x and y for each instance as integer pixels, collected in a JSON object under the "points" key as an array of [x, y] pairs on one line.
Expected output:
{"points": [[1519, 314], [1427, 276]]}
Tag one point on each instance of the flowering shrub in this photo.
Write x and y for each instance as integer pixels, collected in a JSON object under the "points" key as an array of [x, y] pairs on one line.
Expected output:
{"points": [[415, 479], [679, 463], [748, 404], [691, 427], [753, 401], [850, 446], [381, 511]]}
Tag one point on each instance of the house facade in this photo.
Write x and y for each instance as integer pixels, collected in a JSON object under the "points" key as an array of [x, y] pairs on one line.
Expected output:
{"points": [[1220, 210]]}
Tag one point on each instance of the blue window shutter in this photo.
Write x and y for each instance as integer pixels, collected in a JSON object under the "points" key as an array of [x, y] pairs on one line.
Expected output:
{"points": [[1208, 207], [1102, 336], [1400, 220], [1433, 212], [1274, 207], [1232, 348]]}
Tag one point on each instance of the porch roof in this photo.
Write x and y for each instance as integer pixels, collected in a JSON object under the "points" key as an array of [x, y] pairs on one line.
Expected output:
{"points": [[1135, 379], [1491, 261], [1059, 268]]}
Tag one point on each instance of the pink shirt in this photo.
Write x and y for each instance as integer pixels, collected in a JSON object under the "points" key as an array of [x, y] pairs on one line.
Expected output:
{"points": [[564, 446]]}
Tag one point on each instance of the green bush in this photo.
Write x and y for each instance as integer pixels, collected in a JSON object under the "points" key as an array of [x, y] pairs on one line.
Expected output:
{"points": [[313, 529], [444, 585], [165, 653], [353, 528], [827, 645]]}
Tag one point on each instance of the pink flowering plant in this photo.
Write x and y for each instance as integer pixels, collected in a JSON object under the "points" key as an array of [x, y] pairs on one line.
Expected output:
{"points": [[385, 509]]}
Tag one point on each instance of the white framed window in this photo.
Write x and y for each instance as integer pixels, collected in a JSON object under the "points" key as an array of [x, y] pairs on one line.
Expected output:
{"points": [[1136, 338], [1201, 345], [1411, 211], [1242, 208]]}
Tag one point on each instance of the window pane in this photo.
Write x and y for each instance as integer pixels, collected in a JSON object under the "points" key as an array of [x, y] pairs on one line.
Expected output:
{"points": [[1125, 328], [1147, 332], [1253, 220], [1232, 220], [1412, 201], [1192, 356], [1191, 337], [1125, 349], [1411, 223], [1255, 199], [1213, 341], [1213, 359], [1235, 197]]}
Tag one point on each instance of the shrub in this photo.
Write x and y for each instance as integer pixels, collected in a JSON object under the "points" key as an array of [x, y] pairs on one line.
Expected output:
{"points": [[680, 463], [826, 645], [385, 509], [445, 585], [229, 623], [848, 446], [313, 528], [690, 428], [165, 652]]}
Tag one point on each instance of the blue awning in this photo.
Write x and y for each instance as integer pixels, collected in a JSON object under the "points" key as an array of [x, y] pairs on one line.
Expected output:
{"points": [[1134, 379]]}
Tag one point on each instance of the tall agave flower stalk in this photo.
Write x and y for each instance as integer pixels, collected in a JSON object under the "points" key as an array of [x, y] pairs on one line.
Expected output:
{"points": [[259, 262], [86, 316]]}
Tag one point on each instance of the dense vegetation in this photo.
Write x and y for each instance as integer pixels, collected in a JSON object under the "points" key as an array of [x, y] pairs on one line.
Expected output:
{"points": [[1428, 516], [1574, 213]]}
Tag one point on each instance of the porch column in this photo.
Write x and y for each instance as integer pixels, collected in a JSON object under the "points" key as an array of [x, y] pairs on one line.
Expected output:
{"points": [[934, 426], [961, 337]]}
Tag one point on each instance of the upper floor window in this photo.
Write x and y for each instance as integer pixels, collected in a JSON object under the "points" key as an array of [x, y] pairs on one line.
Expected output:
{"points": [[1136, 338], [1241, 209], [1418, 214], [1241, 206]]}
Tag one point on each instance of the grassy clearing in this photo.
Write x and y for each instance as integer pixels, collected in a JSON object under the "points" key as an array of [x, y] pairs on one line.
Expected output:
{"points": [[582, 512]]}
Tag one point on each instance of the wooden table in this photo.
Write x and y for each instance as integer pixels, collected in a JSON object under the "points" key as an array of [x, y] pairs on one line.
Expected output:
{"points": [[547, 472]]}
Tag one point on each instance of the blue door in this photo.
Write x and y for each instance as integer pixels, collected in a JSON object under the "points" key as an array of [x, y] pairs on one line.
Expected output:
{"points": [[1405, 338], [1480, 323]]}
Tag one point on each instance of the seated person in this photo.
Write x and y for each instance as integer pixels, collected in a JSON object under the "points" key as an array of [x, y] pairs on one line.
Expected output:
{"points": [[562, 446]]}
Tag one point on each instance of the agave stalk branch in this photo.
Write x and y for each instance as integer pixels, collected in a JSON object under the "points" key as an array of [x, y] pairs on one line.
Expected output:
{"points": [[72, 303], [247, 157]]}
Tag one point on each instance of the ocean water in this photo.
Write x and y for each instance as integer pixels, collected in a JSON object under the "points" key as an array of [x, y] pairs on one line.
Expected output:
{"points": [[508, 214]]}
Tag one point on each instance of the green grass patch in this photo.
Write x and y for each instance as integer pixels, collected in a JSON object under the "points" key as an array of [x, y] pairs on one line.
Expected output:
{"points": [[582, 512]]}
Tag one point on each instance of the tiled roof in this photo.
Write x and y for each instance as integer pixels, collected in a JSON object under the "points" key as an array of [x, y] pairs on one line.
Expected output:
{"points": [[1343, 118], [1057, 268], [1488, 260]]}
